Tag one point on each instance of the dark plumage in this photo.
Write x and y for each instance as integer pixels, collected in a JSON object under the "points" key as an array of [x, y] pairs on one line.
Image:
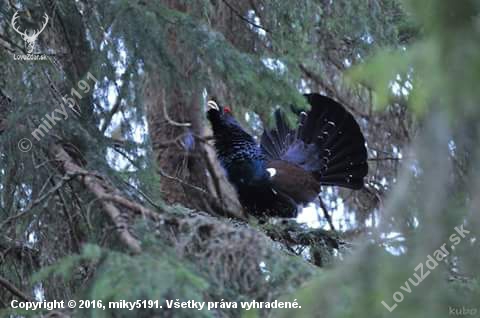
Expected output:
{"points": [[288, 167]]}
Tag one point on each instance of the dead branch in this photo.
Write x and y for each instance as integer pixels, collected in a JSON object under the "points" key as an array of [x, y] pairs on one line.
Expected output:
{"points": [[98, 188], [167, 116], [326, 214], [241, 17], [14, 290]]}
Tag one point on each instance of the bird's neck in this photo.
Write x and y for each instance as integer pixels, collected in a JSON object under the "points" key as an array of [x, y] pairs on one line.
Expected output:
{"points": [[241, 157]]}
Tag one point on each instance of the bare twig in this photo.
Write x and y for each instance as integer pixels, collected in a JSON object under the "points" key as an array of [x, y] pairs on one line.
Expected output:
{"points": [[239, 15], [326, 214], [37, 201], [14, 290], [167, 117], [385, 158], [133, 206], [121, 92], [183, 182]]}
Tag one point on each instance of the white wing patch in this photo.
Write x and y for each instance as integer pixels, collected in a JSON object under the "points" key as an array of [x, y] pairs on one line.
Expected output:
{"points": [[272, 172]]}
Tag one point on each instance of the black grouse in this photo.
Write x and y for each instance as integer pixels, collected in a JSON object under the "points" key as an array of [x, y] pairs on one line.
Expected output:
{"points": [[288, 167]]}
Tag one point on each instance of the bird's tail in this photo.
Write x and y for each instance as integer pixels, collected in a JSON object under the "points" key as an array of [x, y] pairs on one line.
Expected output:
{"points": [[328, 142]]}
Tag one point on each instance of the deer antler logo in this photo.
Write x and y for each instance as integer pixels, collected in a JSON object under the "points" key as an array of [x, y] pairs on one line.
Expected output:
{"points": [[31, 36]]}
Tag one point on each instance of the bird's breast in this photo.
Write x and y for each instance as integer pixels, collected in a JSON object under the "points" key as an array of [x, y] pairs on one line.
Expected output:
{"points": [[247, 173]]}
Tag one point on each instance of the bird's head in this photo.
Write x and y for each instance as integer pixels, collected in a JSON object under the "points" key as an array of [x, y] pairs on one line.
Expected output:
{"points": [[214, 109], [225, 127], [220, 116]]}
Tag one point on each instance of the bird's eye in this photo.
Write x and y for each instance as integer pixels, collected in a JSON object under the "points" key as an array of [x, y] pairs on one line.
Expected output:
{"points": [[227, 110]]}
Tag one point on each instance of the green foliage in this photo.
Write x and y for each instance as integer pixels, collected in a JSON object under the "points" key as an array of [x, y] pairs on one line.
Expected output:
{"points": [[426, 59], [213, 57], [160, 276], [439, 72], [66, 266], [145, 277], [442, 68]]}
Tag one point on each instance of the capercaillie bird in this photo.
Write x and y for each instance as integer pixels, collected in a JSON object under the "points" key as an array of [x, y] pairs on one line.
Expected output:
{"points": [[287, 168]]}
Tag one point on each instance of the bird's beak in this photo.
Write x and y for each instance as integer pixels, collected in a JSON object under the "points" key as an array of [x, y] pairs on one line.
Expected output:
{"points": [[213, 105]]}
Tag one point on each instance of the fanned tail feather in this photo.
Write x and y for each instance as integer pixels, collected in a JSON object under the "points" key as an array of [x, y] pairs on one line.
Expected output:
{"points": [[328, 142], [274, 142]]}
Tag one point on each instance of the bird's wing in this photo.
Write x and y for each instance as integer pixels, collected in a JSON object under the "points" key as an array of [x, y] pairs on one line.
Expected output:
{"points": [[293, 181], [271, 142], [276, 142]]}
